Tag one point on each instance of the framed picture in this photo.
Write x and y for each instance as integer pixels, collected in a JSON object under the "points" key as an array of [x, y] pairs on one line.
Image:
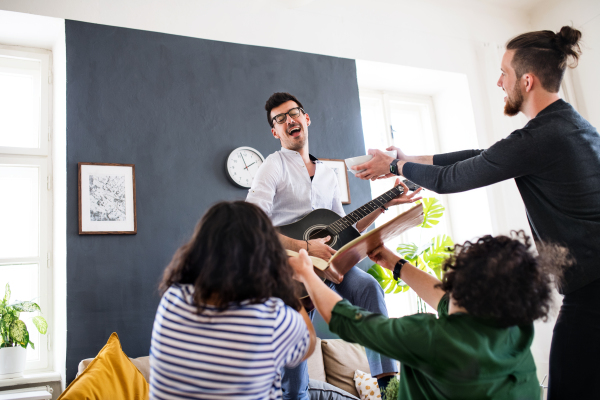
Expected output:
{"points": [[339, 167], [107, 199]]}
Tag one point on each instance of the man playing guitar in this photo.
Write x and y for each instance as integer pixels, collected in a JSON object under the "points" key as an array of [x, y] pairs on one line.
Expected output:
{"points": [[290, 184]]}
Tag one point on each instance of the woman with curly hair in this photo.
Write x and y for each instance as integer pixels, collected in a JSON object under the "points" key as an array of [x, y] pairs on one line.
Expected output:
{"points": [[229, 319], [478, 347]]}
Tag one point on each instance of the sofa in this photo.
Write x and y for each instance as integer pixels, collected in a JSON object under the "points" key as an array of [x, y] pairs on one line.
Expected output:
{"points": [[331, 369]]}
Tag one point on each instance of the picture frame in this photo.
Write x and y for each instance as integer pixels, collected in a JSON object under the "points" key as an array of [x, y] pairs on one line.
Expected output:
{"points": [[339, 167], [107, 202]]}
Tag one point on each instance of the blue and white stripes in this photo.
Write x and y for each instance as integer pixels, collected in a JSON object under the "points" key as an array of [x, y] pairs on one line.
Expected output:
{"points": [[237, 353]]}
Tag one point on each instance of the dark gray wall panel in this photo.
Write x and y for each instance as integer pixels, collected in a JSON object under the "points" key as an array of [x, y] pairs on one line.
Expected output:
{"points": [[175, 107]]}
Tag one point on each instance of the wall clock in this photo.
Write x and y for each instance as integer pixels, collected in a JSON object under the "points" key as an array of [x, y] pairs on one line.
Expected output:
{"points": [[242, 165]]}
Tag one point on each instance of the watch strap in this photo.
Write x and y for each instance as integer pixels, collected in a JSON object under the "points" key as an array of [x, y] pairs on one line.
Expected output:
{"points": [[394, 167], [398, 267]]}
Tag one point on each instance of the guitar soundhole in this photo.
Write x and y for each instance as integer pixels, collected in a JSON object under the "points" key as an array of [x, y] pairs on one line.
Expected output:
{"points": [[313, 233]]}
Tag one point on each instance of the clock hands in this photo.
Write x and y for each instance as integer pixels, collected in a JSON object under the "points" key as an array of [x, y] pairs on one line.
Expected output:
{"points": [[250, 165], [243, 160]]}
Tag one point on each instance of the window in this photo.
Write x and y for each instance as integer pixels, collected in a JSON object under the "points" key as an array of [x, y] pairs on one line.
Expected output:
{"points": [[25, 184], [407, 122]]}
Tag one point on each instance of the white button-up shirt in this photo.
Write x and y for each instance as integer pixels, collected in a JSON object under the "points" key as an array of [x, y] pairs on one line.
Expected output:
{"points": [[283, 190]]}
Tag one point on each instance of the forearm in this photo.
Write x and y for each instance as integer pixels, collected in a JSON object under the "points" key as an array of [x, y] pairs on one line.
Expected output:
{"points": [[423, 284], [420, 159], [453, 157], [321, 295], [364, 223], [311, 333], [291, 244]]}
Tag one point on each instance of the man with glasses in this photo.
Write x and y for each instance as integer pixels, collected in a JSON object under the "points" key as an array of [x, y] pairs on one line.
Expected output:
{"points": [[290, 184]]}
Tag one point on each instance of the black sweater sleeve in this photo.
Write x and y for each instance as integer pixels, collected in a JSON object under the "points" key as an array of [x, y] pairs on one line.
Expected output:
{"points": [[454, 157], [512, 157]]}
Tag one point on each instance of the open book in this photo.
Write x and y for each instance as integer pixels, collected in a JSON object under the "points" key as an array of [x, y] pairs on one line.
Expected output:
{"points": [[355, 251]]}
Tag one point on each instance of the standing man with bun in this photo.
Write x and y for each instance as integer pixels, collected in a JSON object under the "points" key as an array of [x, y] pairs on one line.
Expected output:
{"points": [[555, 161]]}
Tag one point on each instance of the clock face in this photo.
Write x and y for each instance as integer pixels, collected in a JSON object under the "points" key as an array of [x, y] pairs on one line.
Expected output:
{"points": [[242, 165]]}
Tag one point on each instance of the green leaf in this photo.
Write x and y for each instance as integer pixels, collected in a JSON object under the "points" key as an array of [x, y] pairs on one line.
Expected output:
{"points": [[26, 306], [31, 344], [432, 212], [18, 331], [408, 251], [41, 324], [25, 341], [384, 277], [7, 292]]}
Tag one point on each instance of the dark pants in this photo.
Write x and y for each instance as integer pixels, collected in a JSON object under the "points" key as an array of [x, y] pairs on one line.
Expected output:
{"points": [[575, 350]]}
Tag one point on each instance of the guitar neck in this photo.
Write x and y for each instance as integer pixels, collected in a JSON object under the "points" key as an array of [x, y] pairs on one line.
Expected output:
{"points": [[365, 210]]}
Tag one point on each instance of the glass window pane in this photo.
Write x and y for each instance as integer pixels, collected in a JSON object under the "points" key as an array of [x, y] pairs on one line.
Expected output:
{"points": [[20, 104], [373, 123], [19, 211], [24, 286]]}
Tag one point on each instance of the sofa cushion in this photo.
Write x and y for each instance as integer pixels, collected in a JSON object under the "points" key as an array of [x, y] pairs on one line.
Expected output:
{"points": [[341, 359], [316, 368], [141, 363], [111, 375], [366, 386], [318, 390]]}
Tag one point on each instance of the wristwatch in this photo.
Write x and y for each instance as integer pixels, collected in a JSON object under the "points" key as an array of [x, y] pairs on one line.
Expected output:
{"points": [[394, 167], [398, 267]]}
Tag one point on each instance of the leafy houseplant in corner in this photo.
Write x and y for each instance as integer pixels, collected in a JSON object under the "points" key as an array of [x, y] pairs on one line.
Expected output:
{"points": [[14, 336], [427, 256]]}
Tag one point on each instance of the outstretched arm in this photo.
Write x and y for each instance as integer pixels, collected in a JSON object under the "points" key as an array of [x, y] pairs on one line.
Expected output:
{"points": [[404, 198], [419, 281], [321, 295], [379, 166]]}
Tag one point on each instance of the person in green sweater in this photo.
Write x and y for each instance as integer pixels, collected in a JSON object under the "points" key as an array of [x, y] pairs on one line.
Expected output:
{"points": [[478, 346]]}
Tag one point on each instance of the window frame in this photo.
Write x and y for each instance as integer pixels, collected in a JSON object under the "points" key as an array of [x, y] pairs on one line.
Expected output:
{"points": [[42, 159], [386, 98]]}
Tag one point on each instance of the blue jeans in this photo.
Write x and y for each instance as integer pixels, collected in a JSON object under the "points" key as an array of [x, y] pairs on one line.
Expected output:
{"points": [[362, 290]]}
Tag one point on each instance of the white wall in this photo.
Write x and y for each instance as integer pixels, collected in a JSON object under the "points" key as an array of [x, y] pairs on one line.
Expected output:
{"points": [[585, 16]]}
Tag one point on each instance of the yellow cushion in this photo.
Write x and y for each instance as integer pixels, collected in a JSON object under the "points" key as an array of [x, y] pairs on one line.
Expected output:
{"points": [[111, 375]]}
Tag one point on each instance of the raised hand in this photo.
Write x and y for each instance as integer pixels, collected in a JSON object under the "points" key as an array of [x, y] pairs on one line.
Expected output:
{"points": [[405, 197], [302, 265], [384, 257]]}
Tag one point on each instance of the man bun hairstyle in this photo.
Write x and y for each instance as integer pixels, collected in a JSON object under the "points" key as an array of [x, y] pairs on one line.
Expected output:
{"points": [[546, 54], [276, 100], [501, 279]]}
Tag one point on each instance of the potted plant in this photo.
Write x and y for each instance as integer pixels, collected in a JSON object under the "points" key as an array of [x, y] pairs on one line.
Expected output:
{"points": [[428, 256], [14, 336]]}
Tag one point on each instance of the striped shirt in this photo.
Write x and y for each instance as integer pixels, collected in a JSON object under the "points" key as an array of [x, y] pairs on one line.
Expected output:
{"points": [[237, 353]]}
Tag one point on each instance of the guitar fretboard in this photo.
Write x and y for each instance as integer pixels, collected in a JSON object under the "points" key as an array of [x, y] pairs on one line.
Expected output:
{"points": [[365, 210]]}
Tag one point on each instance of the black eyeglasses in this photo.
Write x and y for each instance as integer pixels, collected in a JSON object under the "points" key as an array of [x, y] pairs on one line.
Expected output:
{"points": [[294, 113]]}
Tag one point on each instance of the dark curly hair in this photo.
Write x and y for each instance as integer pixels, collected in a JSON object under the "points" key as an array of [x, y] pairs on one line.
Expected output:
{"points": [[234, 255], [278, 99], [546, 54], [500, 278]]}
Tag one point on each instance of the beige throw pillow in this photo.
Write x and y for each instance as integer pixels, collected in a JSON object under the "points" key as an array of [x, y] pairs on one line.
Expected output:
{"points": [[341, 359], [316, 368], [366, 386]]}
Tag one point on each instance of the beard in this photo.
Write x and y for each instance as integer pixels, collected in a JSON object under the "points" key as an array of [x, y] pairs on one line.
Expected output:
{"points": [[296, 145], [513, 105]]}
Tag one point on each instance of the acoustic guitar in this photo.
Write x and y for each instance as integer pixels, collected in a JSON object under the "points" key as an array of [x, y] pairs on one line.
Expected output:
{"points": [[321, 223]]}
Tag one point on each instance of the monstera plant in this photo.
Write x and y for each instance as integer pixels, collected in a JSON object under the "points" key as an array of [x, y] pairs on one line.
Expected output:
{"points": [[13, 331], [427, 256]]}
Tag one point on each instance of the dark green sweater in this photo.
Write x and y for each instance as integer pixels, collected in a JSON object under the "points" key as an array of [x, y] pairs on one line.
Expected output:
{"points": [[454, 357], [555, 161]]}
